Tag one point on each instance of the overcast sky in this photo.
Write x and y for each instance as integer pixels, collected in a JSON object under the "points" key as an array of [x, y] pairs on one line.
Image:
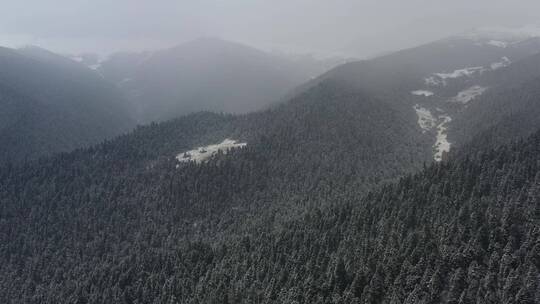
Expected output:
{"points": [[352, 27]]}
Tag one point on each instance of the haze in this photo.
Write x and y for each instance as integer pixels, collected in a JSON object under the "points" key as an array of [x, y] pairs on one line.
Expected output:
{"points": [[345, 27]]}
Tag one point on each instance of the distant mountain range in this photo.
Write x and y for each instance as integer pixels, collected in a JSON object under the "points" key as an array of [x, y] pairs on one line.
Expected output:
{"points": [[438, 81], [51, 104], [56, 103], [207, 74]]}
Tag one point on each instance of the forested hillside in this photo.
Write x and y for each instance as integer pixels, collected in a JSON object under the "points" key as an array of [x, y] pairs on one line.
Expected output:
{"points": [[459, 88], [108, 225], [50, 104], [329, 197], [311, 147], [509, 109]]}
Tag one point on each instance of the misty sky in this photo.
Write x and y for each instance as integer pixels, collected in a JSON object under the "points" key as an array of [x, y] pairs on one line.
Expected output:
{"points": [[352, 27]]}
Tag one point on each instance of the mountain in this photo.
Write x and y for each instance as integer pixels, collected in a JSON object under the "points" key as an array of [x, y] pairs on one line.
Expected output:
{"points": [[206, 74], [50, 104], [508, 109], [451, 84], [312, 146], [289, 216], [332, 196]]}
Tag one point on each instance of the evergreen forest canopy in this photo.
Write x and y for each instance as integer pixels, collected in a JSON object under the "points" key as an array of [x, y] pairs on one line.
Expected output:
{"points": [[334, 199]]}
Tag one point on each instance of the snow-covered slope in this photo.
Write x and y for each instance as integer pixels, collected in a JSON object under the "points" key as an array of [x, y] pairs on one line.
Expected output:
{"points": [[469, 94], [425, 93], [202, 154]]}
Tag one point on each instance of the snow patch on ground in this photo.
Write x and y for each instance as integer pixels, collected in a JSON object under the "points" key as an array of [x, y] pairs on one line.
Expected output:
{"points": [[426, 120], [460, 73], [433, 81], [469, 94], [442, 145], [501, 64], [422, 93], [204, 153], [437, 79], [440, 79], [497, 43]]}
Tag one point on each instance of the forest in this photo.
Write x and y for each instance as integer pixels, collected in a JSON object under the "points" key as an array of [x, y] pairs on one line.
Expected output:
{"points": [[289, 219]]}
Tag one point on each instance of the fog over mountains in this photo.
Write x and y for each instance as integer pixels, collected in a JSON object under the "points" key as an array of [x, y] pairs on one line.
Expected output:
{"points": [[51, 104], [212, 171], [347, 27], [206, 74]]}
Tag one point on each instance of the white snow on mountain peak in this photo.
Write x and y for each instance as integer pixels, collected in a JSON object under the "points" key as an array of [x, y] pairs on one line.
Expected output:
{"points": [[204, 153]]}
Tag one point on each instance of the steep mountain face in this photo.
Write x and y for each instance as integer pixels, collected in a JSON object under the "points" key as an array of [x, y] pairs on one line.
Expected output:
{"points": [[205, 74], [49, 104]]}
